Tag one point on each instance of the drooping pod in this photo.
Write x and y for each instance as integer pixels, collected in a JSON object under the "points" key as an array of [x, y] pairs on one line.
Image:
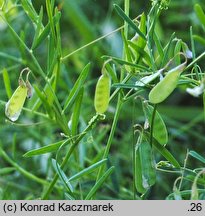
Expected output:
{"points": [[102, 93], [144, 164], [167, 85], [15, 104]]}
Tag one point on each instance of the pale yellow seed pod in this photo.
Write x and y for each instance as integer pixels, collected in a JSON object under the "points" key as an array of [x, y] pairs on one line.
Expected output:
{"points": [[15, 104]]}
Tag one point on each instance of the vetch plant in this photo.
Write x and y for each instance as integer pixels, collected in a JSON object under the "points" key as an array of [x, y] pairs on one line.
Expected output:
{"points": [[81, 136]]}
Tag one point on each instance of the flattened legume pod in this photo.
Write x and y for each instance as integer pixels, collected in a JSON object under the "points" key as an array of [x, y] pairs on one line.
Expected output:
{"points": [[166, 86], [15, 104], [102, 93], [145, 173]]}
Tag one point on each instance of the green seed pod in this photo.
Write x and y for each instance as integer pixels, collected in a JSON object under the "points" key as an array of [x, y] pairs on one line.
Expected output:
{"points": [[102, 94], [166, 86], [145, 173]]}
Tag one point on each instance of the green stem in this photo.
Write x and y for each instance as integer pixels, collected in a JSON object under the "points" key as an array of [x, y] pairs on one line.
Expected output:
{"points": [[91, 43], [21, 170], [111, 135], [70, 151]]}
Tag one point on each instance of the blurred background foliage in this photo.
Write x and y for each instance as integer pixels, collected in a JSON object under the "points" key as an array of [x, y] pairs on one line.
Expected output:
{"points": [[82, 22]]}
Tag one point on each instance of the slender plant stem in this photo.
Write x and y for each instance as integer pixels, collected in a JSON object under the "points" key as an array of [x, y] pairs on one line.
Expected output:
{"points": [[70, 151], [111, 135], [91, 43], [21, 170]]}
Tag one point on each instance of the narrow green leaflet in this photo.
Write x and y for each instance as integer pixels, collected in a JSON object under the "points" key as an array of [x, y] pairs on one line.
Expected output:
{"points": [[139, 42], [197, 156], [140, 52], [87, 170], [42, 36], [200, 13], [77, 86], [123, 62], [128, 86], [199, 39], [44, 100], [7, 83], [76, 112], [46, 149], [29, 9], [158, 45], [63, 177], [128, 20], [38, 26], [177, 50], [99, 183], [165, 153]]}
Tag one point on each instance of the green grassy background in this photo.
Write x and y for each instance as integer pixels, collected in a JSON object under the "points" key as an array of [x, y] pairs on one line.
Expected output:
{"points": [[82, 22]]}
